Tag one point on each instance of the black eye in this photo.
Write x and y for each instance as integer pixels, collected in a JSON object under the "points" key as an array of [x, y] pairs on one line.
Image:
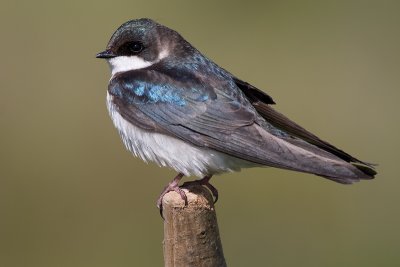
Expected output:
{"points": [[135, 47]]}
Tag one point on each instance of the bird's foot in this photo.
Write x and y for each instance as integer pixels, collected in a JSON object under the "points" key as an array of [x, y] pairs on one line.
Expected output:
{"points": [[172, 186], [206, 182]]}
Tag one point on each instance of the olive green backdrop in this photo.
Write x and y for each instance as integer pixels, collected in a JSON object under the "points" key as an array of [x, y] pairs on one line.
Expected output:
{"points": [[71, 195]]}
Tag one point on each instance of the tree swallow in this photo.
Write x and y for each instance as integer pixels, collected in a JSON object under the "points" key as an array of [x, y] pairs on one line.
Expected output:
{"points": [[177, 108]]}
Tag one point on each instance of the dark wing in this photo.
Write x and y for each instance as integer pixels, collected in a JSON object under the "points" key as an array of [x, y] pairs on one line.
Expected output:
{"points": [[218, 117], [253, 94], [261, 101], [168, 102]]}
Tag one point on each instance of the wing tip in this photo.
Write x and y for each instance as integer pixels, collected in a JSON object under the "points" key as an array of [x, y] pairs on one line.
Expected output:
{"points": [[364, 172], [368, 171]]}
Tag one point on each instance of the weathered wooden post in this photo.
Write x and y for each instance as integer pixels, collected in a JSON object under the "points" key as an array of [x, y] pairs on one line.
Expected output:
{"points": [[191, 235]]}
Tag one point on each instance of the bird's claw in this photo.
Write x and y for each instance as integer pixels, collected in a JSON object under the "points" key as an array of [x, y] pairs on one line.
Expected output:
{"points": [[172, 186], [206, 182]]}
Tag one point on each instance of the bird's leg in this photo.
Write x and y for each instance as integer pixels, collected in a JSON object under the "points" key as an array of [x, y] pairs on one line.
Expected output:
{"points": [[172, 186], [206, 182]]}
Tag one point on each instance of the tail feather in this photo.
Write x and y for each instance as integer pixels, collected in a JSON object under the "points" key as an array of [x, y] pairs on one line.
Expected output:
{"points": [[361, 172], [326, 160], [345, 181], [282, 122], [367, 170]]}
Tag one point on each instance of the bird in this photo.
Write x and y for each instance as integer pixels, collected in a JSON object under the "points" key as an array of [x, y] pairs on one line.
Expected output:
{"points": [[177, 108]]}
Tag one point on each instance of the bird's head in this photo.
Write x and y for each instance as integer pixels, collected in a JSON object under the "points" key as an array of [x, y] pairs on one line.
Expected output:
{"points": [[141, 43]]}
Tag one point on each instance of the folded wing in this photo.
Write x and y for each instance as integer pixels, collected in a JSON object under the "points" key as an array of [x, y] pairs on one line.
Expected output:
{"points": [[218, 115]]}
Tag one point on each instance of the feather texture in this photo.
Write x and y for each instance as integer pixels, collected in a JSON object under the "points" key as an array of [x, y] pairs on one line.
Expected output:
{"points": [[214, 121], [165, 150]]}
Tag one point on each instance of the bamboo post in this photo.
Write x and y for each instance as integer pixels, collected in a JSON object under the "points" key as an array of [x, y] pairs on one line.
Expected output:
{"points": [[191, 235]]}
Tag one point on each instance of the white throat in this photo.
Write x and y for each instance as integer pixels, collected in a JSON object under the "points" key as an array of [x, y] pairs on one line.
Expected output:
{"points": [[127, 63]]}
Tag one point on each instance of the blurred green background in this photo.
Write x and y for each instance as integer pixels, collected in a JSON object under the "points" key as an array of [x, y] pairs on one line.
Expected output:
{"points": [[71, 195]]}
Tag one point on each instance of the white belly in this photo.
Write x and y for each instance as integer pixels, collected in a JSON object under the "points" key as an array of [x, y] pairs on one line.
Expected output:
{"points": [[168, 151]]}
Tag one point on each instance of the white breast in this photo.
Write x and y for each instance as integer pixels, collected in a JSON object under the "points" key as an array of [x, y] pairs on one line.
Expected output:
{"points": [[172, 152]]}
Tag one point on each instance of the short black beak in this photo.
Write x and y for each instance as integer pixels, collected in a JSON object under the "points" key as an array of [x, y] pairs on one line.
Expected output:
{"points": [[106, 54]]}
